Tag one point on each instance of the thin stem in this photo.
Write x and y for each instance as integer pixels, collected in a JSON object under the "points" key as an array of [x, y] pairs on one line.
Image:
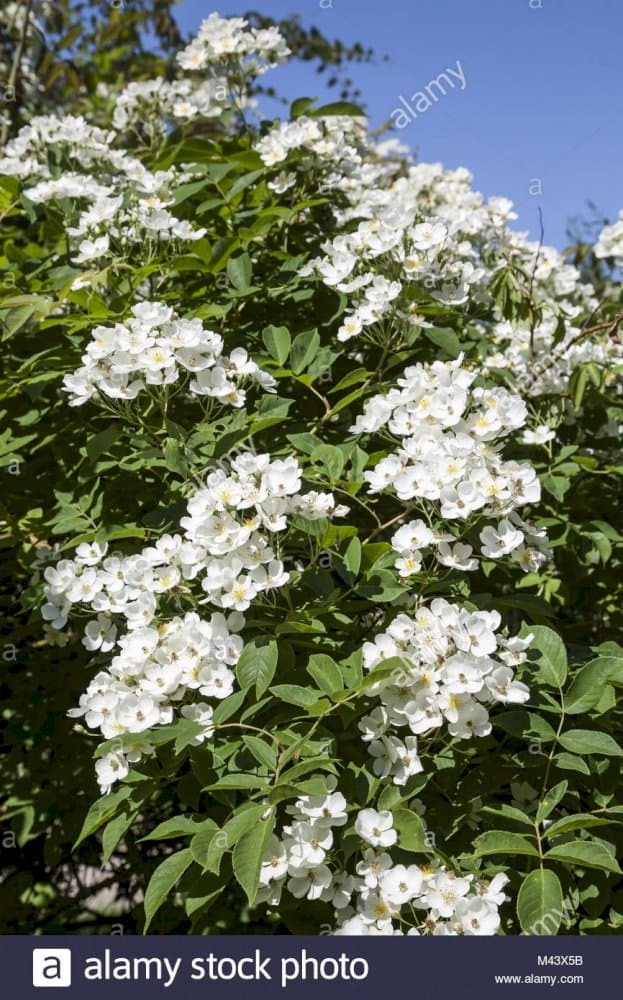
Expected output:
{"points": [[19, 49]]}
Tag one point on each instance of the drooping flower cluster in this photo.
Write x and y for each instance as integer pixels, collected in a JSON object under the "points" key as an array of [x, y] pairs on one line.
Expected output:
{"points": [[157, 348], [378, 897], [222, 546], [453, 665], [449, 462]]}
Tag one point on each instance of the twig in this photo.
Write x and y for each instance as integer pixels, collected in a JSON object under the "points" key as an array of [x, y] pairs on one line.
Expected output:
{"points": [[15, 67]]}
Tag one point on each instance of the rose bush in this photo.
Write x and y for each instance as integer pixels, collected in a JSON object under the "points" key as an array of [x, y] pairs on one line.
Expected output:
{"points": [[315, 476]]}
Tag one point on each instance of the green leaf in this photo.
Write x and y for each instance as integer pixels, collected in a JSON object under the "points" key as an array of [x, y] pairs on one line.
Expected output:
{"points": [[177, 826], [201, 841], [114, 831], [526, 724], [352, 556], [585, 854], [277, 340], [556, 485], [353, 377], [539, 903], [222, 251], [411, 832], [587, 687], [257, 665], [305, 766], [509, 812], [102, 810], [174, 458], [238, 780], [553, 655], [102, 442], [331, 458], [581, 821], [304, 348], [248, 855], [14, 319], [338, 108], [381, 585], [614, 670], [239, 271], [295, 694], [303, 442], [245, 181], [208, 850], [186, 732], [570, 762], [228, 707], [185, 191], [590, 741], [300, 106], [162, 881], [263, 751], [444, 337], [577, 385], [393, 665], [551, 800], [326, 673], [501, 842]]}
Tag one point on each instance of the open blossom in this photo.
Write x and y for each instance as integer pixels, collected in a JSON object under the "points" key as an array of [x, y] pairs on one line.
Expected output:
{"points": [[109, 769], [501, 540], [540, 435], [376, 828]]}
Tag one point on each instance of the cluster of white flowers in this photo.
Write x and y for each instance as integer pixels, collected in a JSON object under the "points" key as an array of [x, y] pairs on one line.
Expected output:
{"points": [[449, 674], [361, 263], [610, 241], [449, 460], [407, 234], [379, 897], [420, 226], [223, 546], [159, 101], [127, 202], [151, 674], [232, 42], [332, 139], [539, 363], [156, 348]]}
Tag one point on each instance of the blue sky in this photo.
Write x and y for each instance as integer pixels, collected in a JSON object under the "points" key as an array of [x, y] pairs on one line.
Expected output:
{"points": [[542, 104]]}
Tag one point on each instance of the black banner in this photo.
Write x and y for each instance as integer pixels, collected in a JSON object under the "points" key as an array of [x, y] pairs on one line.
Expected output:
{"points": [[331, 968]]}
